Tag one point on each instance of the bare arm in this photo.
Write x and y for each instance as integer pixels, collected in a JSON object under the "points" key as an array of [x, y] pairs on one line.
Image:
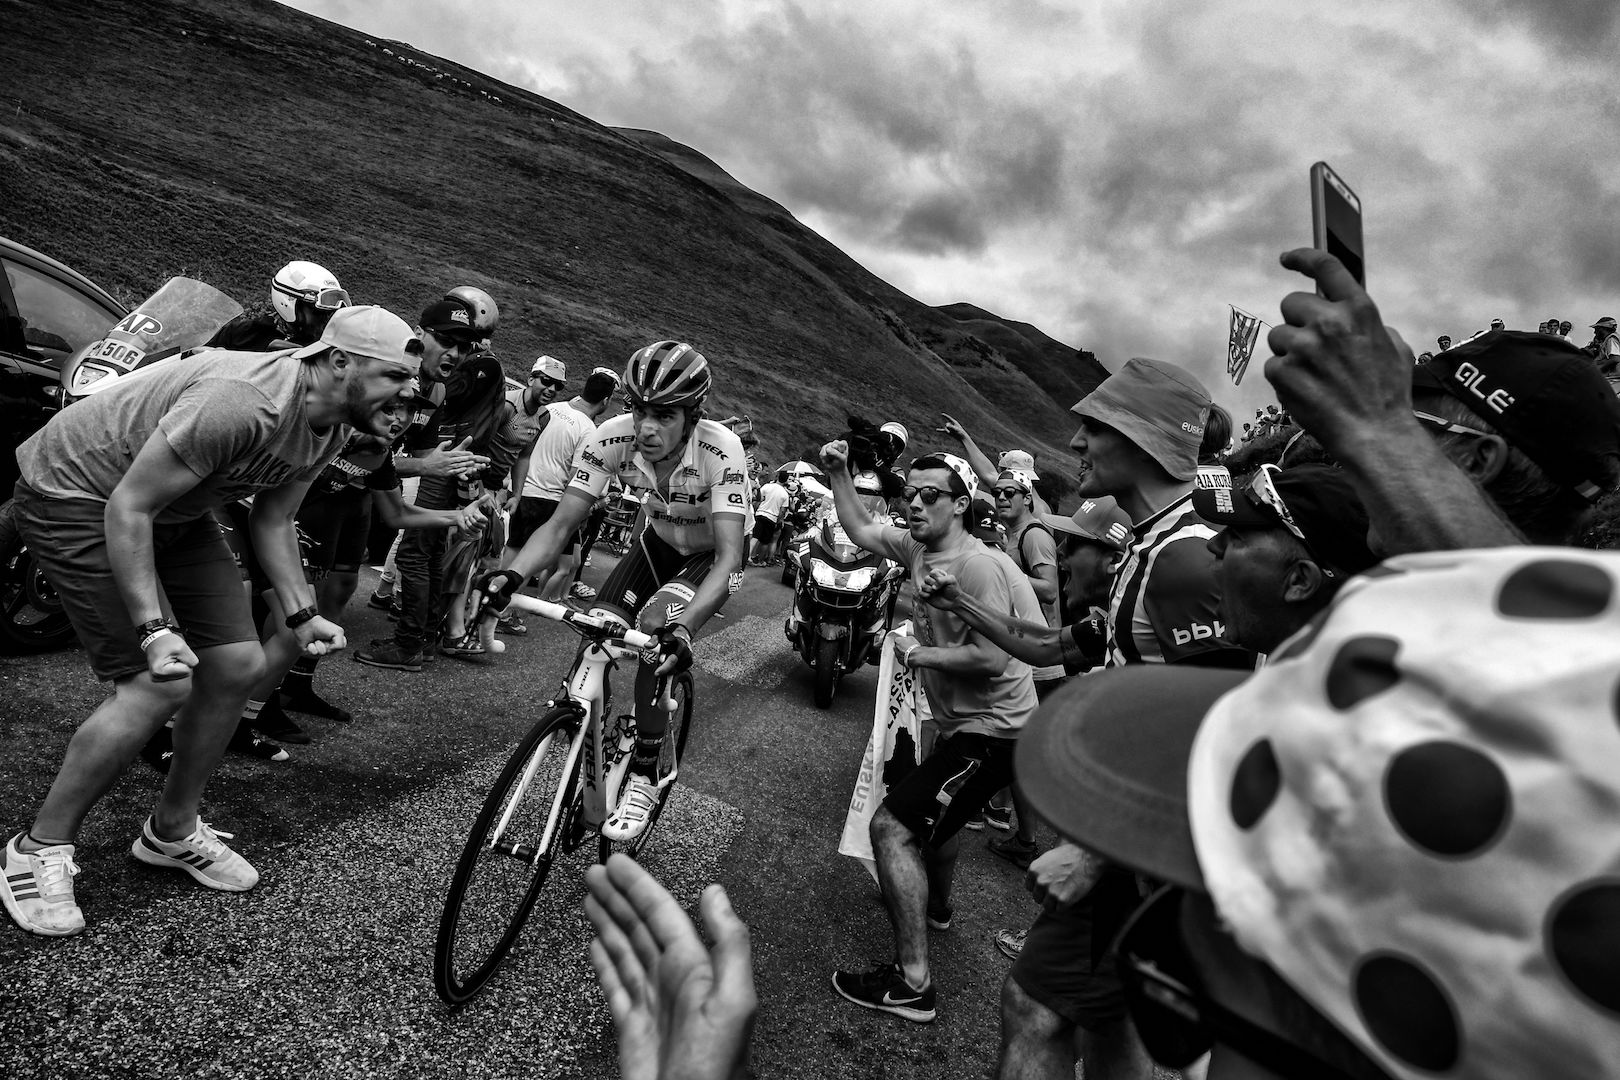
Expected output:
{"points": [[852, 515], [396, 513], [443, 461], [520, 474], [1032, 642], [155, 479], [1338, 371], [716, 589], [982, 466], [977, 657], [1045, 583], [543, 548]]}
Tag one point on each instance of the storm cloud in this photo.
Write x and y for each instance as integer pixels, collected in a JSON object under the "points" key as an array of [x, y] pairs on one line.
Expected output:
{"points": [[1117, 174]]}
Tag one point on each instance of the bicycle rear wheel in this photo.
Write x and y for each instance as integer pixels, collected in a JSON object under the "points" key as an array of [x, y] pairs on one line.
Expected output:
{"points": [[506, 858], [674, 751]]}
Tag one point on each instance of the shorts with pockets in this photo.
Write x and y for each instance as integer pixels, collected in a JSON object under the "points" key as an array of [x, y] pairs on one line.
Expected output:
{"points": [[198, 582], [1067, 963], [951, 785]]}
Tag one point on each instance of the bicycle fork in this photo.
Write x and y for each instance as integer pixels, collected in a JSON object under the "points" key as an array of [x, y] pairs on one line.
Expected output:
{"points": [[532, 853]]}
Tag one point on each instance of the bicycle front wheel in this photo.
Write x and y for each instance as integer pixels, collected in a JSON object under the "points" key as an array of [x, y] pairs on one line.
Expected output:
{"points": [[672, 754], [506, 858]]}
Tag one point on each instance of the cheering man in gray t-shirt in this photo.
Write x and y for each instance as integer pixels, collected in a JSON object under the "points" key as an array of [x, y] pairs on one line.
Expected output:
{"points": [[980, 698], [116, 502]]}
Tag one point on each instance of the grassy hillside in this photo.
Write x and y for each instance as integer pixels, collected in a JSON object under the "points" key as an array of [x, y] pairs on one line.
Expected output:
{"points": [[147, 138]]}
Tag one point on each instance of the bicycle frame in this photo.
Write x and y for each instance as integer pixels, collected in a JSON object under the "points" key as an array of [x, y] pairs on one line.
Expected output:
{"points": [[586, 691]]}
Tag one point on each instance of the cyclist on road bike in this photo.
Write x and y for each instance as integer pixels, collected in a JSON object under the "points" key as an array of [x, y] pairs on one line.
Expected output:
{"points": [[686, 562]]}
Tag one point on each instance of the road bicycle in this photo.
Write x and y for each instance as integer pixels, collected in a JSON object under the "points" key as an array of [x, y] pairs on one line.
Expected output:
{"points": [[559, 785]]}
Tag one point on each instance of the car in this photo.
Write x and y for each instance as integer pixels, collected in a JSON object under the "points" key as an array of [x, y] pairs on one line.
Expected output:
{"points": [[48, 311]]}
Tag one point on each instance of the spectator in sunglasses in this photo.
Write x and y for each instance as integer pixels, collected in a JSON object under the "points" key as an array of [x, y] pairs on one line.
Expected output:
{"points": [[1140, 434], [980, 698]]}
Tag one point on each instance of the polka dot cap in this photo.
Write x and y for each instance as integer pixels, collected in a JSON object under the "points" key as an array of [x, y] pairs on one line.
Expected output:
{"points": [[1413, 813]]}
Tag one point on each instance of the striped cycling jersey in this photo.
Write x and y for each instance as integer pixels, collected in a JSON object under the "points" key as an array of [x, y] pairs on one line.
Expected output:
{"points": [[710, 479], [1163, 606]]}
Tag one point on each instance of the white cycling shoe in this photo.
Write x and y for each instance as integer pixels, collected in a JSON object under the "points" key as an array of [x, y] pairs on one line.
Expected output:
{"points": [[636, 802]]}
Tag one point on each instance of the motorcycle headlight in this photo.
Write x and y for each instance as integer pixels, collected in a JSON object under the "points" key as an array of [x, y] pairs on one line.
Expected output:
{"points": [[85, 375], [853, 580], [859, 578]]}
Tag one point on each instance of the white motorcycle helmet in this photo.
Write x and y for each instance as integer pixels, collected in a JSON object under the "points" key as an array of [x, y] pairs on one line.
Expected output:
{"points": [[305, 295], [897, 439], [486, 316]]}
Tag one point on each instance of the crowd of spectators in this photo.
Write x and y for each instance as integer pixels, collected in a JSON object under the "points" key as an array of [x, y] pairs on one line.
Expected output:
{"points": [[1322, 712], [1334, 709]]}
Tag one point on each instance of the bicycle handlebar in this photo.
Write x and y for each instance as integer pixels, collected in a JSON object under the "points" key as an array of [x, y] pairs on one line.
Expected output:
{"points": [[598, 629]]}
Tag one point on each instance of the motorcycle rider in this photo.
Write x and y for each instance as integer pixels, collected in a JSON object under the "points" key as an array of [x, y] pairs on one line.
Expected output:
{"points": [[687, 560], [303, 296]]}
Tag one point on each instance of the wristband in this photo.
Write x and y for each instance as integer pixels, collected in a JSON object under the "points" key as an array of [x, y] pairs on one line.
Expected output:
{"points": [[155, 634], [905, 657], [302, 616], [152, 629]]}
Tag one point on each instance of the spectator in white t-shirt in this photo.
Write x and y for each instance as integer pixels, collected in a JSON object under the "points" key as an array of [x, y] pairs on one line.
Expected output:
{"points": [[773, 501]]}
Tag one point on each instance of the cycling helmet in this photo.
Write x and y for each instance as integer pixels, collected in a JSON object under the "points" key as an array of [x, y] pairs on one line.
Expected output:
{"points": [[667, 373], [486, 316], [305, 294]]}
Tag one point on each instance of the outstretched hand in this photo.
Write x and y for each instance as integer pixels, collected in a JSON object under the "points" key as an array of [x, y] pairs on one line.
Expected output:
{"points": [[1337, 369], [683, 1011], [953, 428]]}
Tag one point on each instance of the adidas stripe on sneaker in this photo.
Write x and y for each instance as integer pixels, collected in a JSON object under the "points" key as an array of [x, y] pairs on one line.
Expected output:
{"points": [[37, 888], [202, 854]]}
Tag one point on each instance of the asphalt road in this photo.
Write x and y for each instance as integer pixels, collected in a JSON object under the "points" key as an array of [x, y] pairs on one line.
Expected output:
{"points": [[325, 968]]}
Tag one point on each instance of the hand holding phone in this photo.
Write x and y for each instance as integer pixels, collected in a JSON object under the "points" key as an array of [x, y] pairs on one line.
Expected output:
{"points": [[1336, 221]]}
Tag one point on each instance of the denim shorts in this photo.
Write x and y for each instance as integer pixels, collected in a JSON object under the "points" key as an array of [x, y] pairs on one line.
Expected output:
{"points": [[199, 585]]}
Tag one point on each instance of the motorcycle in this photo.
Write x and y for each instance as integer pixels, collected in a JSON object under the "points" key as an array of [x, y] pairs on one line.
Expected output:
{"points": [[180, 316], [805, 508], [843, 605]]}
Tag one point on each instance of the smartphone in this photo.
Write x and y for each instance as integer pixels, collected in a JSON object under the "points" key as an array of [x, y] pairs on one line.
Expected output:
{"points": [[1336, 220]]}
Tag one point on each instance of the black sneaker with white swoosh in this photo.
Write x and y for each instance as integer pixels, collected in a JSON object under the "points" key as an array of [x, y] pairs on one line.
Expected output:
{"points": [[886, 990]]}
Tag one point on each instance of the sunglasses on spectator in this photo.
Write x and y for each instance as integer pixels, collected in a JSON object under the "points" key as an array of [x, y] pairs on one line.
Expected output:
{"points": [[1446, 425], [1263, 492], [1177, 1020], [450, 344], [928, 493], [547, 381], [1008, 492]]}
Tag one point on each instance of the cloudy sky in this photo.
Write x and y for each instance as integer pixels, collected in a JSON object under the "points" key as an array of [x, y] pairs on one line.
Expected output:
{"points": [[1116, 172]]}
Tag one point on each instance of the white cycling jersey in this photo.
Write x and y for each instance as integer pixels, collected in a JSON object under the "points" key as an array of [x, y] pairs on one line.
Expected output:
{"points": [[710, 479]]}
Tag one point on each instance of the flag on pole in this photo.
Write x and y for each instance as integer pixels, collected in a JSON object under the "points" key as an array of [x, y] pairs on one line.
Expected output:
{"points": [[1245, 328]]}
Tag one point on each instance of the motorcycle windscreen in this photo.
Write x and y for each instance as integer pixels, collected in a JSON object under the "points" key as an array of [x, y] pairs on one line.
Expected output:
{"points": [[181, 315]]}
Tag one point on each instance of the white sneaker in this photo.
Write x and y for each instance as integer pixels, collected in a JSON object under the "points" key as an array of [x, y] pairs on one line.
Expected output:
{"points": [[203, 855], [629, 819], [37, 887], [582, 591]]}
